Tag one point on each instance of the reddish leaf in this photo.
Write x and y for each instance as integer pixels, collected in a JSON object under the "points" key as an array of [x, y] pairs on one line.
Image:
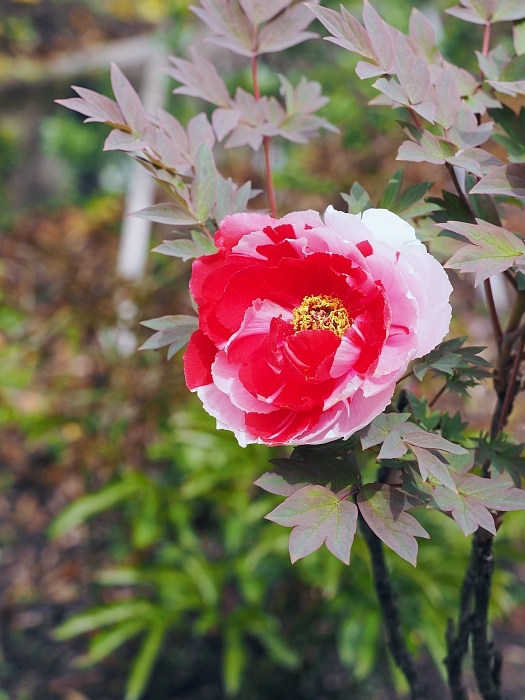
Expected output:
{"points": [[383, 507], [199, 79], [98, 108], [508, 180], [448, 99], [286, 30], [380, 37], [259, 12], [317, 515], [345, 29], [430, 464], [128, 101], [230, 26], [495, 249]]}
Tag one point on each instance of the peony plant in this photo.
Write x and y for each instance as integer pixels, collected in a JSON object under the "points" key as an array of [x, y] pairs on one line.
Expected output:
{"points": [[308, 324]]}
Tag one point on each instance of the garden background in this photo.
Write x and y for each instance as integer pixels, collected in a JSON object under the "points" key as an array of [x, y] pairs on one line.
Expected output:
{"points": [[190, 593]]}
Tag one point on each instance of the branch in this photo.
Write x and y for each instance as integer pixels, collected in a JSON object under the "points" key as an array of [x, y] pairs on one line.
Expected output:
{"points": [[498, 333], [487, 661], [389, 608], [457, 644]]}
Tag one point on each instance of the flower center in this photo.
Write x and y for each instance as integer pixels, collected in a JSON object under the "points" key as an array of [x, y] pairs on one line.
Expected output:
{"points": [[321, 313]]}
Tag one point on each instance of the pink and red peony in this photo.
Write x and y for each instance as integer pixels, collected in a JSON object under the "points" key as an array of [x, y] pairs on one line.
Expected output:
{"points": [[305, 326]]}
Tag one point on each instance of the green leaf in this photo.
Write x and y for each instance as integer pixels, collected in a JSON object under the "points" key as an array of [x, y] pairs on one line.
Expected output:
{"points": [[318, 516], [103, 616], [105, 642], [174, 331], [383, 508], [171, 214], [143, 663], [358, 200], [86, 506], [392, 190], [204, 186], [181, 248]]}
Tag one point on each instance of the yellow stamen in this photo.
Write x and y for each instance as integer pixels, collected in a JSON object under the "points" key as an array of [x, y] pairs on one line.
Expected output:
{"points": [[321, 313]]}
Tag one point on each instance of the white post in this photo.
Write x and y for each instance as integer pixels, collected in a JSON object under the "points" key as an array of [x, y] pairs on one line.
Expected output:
{"points": [[135, 235]]}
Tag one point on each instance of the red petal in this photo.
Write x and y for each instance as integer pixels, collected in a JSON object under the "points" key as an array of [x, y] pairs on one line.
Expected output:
{"points": [[365, 248], [281, 426], [198, 359]]}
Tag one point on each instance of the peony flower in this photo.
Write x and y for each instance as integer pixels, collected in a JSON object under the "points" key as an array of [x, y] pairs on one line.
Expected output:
{"points": [[305, 326]]}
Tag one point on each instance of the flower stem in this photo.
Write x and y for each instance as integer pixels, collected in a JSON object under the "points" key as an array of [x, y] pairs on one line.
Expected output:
{"points": [[270, 190], [389, 607], [486, 39]]}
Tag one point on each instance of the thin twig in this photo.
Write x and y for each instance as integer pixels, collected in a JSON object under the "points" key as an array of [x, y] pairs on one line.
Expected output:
{"points": [[406, 376], [270, 190], [486, 39], [510, 277], [437, 396], [498, 333], [389, 608], [511, 386]]}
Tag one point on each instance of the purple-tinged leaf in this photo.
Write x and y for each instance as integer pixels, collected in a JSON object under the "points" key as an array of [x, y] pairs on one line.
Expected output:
{"points": [[469, 514], [259, 12], [413, 435], [96, 107], [497, 494], [380, 37], [494, 62], [513, 88], [181, 248], [412, 73], [199, 79], [383, 508], [123, 141], [508, 180], [429, 464], [480, 101], [224, 121], [128, 102], [427, 110], [174, 130], [286, 30], [392, 89], [204, 185], [200, 133], [487, 161], [495, 249], [170, 214], [466, 13], [508, 10], [318, 516], [471, 166], [466, 83], [230, 26], [346, 31], [174, 331], [306, 98], [381, 427], [448, 100], [430, 149], [466, 133], [366, 70], [423, 36]]}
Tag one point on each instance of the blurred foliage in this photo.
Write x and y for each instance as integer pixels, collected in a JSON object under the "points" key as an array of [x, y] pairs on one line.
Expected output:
{"points": [[182, 588]]}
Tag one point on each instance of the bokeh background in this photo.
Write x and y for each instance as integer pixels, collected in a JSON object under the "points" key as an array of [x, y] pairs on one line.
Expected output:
{"points": [[162, 580]]}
